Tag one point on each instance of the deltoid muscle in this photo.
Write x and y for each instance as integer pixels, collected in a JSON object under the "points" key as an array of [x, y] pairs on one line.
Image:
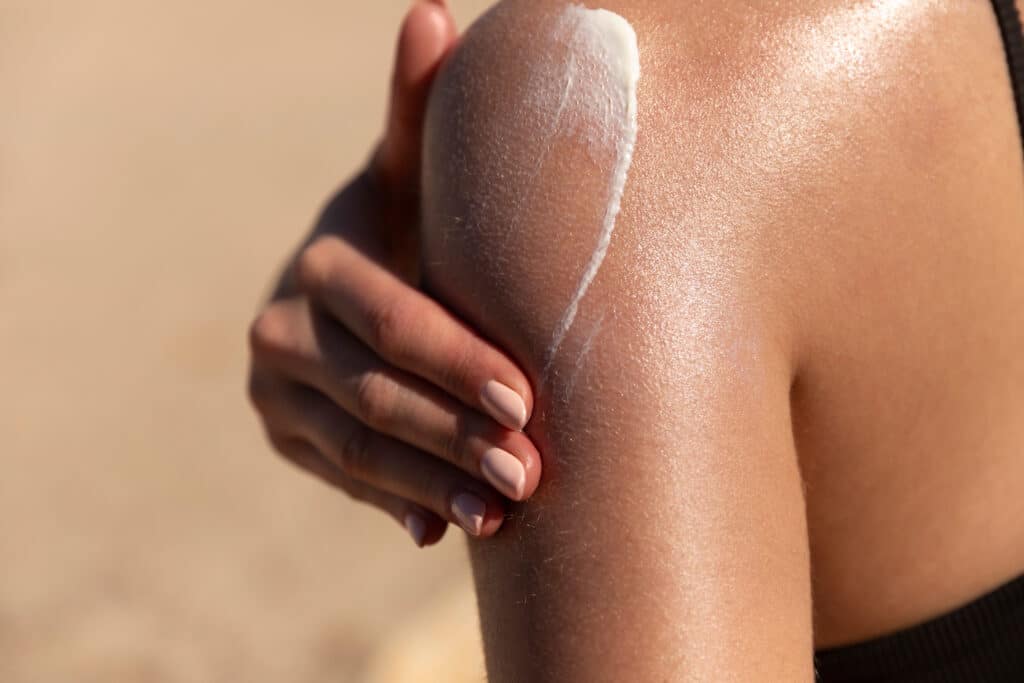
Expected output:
{"points": [[593, 99]]}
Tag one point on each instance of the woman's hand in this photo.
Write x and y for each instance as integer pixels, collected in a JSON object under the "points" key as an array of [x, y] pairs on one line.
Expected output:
{"points": [[366, 382]]}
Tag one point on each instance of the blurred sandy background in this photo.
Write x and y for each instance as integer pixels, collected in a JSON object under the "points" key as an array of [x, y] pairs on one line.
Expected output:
{"points": [[157, 160]]}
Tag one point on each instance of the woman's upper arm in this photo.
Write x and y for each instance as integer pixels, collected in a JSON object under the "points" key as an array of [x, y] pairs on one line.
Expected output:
{"points": [[668, 539]]}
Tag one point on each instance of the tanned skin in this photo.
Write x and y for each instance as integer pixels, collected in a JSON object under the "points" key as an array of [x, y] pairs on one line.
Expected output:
{"points": [[790, 413]]}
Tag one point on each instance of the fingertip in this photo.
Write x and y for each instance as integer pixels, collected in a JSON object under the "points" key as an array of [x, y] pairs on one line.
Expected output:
{"points": [[522, 387], [508, 460], [493, 521], [521, 384], [531, 460], [505, 404], [506, 372], [427, 33], [416, 526], [435, 532], [424, 527], [478, 514], [470, 511]]}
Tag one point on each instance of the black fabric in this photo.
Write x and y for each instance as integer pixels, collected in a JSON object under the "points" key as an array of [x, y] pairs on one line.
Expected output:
{"points": [[1013, 43], [981, 642]]}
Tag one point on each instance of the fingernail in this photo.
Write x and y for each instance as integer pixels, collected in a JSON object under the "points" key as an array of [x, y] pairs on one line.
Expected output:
{"points": [[504, 471], [469, 510], [504, 404], [416, 527]]}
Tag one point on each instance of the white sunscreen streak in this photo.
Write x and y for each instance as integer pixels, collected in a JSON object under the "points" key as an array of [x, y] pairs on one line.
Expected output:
{"points": [[588, 343], [604, 47]]}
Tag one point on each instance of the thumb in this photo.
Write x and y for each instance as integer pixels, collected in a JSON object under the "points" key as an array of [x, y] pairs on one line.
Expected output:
{"points": [[427, 34]]}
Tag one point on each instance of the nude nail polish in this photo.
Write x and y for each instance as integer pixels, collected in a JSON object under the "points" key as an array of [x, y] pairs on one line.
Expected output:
{"points": [[416, 527], [504, 404], [504, 471], [469, 510]]}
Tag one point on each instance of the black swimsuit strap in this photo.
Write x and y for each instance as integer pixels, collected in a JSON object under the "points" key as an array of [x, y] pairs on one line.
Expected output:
{"points": [[980, 641], [1013, 43]]}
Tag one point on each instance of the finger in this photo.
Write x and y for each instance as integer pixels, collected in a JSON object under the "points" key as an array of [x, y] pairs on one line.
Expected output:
{"points": [[268, 392], [319, 353], [388, 465], [427, 34], [411, 331], [423, 526]]}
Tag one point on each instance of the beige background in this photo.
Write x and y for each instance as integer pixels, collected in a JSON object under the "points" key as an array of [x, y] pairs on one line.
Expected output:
{"points": [[157, 159]]}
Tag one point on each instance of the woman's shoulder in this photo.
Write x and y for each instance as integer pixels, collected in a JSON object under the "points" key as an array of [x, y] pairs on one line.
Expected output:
{"points": [[791, 59], [790, 137], [810, 121]]}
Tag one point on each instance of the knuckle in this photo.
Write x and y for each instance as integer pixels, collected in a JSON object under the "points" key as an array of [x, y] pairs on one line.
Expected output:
{"points": [[341, 479], [285, 447], [258, 391], [375, 397], [350, 489], [458, 372], [313, 264], [353, 452], [455, 445], [270, 331], [385, 325]]}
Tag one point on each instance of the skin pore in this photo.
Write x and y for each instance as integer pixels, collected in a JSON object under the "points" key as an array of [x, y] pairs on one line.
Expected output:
{"points": [[796, 374]]}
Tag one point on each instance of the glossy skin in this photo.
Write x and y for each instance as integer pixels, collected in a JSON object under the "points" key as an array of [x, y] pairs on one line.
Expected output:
{"points": [[798, 373]]}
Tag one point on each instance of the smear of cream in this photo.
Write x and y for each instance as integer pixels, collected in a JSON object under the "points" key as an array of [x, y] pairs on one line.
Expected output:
{"points": [[570, 384], [601, 72]]}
